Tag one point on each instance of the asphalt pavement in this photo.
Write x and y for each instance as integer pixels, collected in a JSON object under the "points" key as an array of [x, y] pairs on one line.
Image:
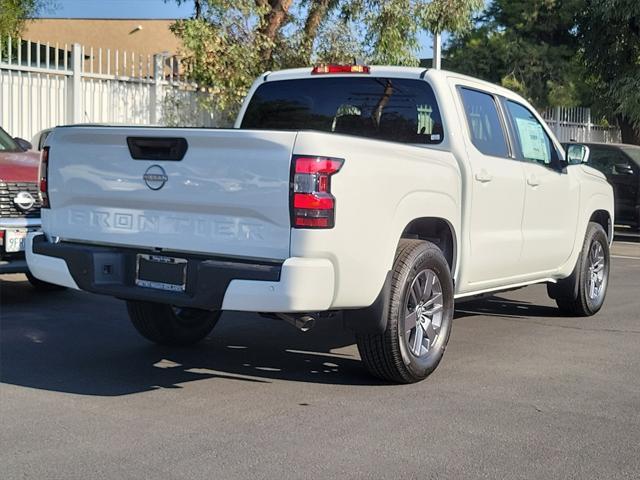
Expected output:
{"points": [[522, 392]]}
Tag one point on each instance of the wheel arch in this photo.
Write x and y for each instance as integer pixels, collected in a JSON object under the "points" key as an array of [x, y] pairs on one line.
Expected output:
{"points": [[603, 218], [438, 231]]}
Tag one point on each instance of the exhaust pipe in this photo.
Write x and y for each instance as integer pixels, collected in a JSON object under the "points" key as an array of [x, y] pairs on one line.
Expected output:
{"points": [[304, 323]]}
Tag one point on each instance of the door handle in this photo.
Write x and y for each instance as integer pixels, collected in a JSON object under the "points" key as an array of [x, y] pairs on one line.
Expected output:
{"points": [[533, 181], [483, 176]]}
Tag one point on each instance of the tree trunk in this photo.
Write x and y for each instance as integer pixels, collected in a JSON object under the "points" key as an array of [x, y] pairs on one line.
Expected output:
{"points": [[317, 13], [197, 6], [273, 21], [630, 134], [376, 115]]}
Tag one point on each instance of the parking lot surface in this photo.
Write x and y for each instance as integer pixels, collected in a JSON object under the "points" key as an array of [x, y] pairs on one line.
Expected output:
{"points": [[521, 393]]}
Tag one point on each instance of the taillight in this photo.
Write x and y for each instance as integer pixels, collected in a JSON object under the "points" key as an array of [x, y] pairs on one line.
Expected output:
{"points": [[312, 205], [320, 69], [43, 177]]}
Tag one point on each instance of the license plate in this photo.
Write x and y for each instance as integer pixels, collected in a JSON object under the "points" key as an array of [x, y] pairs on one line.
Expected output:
{"points": [[14, 240], [161, 273]]}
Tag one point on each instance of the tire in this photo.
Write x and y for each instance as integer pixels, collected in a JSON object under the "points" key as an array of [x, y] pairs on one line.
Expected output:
{"points": [[173, 326], [582, 294], [43, 286], [395, 355]]}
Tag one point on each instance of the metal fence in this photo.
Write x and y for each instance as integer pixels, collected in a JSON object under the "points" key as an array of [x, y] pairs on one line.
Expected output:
{"points": [[574, 124], [43, 85]]}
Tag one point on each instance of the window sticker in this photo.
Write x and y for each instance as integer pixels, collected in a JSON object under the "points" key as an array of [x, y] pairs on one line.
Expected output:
{"points": [[533, 140]]}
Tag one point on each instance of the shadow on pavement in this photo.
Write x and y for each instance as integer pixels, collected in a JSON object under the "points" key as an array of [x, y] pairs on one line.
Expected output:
{"points": [[81, 343], [496, 306]]}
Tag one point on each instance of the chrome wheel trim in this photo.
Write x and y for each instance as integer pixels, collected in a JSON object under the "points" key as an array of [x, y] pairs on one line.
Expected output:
{"points": [[422, 314], [596, 276]]}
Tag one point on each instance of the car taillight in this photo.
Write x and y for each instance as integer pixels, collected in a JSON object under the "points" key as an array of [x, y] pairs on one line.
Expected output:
{"points": [[43, 177], [312, 204], [320, 69]]}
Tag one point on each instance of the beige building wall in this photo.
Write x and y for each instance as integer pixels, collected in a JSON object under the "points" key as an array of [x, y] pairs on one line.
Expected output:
{"points": [[147, 37], [141, 37]]}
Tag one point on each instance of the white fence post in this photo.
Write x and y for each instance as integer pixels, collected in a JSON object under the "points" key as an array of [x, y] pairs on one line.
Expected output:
{"points": [[74, 96], [157, 95]]}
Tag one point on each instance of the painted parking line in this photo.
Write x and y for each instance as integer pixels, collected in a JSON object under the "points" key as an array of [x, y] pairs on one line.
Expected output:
{"points": [[625, 256]]}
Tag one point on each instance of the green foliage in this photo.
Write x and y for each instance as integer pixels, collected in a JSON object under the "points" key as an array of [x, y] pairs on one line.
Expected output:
{"points": [[229, 42], [449, 15], [529, 46], [14, 13], [610, 35]]}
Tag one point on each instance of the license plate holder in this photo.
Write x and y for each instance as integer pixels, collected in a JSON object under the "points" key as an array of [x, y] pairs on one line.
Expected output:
{"points": [[161, 272], [15, 240]]}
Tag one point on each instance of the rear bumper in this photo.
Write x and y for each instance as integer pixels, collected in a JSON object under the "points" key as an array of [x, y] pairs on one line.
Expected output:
{"points": [[296, 285]]}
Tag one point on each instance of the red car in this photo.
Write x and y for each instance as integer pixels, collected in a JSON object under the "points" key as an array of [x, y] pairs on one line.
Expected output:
{"points": [[19, 203]]}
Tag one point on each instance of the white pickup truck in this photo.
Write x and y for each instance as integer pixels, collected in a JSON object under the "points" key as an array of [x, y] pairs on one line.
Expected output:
{"points": [[377, 193]]}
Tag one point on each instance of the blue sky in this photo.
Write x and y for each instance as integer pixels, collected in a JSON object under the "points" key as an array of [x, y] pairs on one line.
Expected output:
{"points": [[118, 9], [144, 9]]}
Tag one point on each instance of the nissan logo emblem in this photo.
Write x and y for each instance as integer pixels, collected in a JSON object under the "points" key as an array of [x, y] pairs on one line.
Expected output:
{"points": [[155, 177], [24, 201]]}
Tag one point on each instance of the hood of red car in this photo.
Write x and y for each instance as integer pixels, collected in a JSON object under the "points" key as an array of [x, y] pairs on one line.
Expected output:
{"points": [[19, 166]]}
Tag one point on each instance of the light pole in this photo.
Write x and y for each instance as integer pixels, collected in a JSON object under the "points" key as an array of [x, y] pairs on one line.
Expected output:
{"points": [[437, 50]]}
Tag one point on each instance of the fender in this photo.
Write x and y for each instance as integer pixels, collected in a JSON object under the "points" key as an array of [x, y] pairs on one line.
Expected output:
{"points": [[595, 202], [426, 204], [437, 205]]}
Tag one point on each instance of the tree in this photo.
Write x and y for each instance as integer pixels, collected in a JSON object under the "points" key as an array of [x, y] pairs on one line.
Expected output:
{"points": [[529, 46], [227, 43], [14, 13], [610, 36]]}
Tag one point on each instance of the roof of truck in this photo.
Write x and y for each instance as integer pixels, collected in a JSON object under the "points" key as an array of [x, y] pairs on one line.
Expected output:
{"points": [[384, 70]]}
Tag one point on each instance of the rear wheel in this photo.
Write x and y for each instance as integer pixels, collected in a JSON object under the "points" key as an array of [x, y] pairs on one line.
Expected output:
{"points": [[169, 325], [419, 318], [583, 293]]}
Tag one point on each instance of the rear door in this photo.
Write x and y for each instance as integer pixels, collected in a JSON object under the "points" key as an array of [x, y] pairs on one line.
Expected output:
{"points": [[228, 195], [497, 189]]}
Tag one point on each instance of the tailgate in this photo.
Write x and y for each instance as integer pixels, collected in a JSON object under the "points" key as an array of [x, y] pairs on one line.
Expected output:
{"points": [[228, 195]]}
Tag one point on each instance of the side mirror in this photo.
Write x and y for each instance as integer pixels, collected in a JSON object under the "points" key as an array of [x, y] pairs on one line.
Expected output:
{"points": [[623, 169], [577, 154], [23, 144]]}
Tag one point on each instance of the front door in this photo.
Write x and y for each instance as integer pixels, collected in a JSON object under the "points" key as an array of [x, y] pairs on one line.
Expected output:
{"points": [[550, 216]]}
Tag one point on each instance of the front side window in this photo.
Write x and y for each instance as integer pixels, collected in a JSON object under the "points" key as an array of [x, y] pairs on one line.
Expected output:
{"points": [[485, 127], [533, 143], [394, 109], [634, 153], [609, 161]]}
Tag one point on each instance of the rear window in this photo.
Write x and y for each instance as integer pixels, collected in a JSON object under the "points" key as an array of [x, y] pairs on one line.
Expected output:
{"points": [[399, 110]]}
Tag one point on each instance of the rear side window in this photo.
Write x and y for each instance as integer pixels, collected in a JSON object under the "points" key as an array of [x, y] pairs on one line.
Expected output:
{"points": [[394, 109], [485, 127]]}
